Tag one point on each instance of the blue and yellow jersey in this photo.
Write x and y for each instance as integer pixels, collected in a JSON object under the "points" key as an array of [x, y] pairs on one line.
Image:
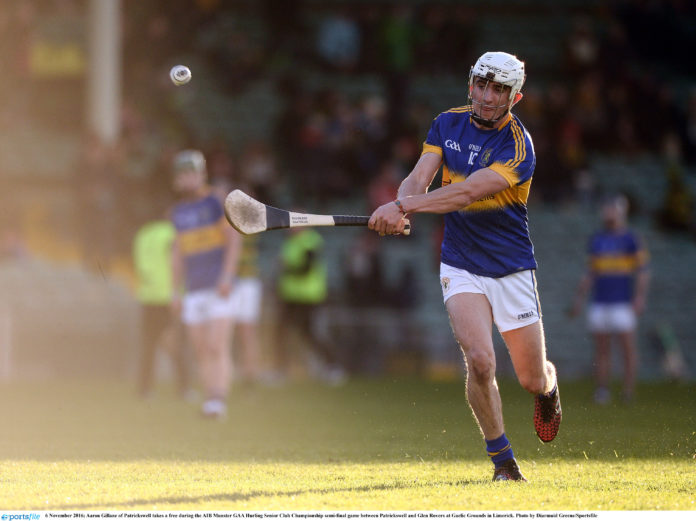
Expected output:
{"points": [[490, 237], [199, 225], [615, 259]]}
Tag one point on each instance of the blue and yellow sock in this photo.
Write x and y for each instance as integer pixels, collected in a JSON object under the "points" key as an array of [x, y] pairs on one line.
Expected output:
{"points": [[499, 450]]}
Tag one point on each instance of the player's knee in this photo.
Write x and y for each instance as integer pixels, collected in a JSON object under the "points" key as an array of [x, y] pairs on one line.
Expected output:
{"points": [[481, 365], [532, 383]]}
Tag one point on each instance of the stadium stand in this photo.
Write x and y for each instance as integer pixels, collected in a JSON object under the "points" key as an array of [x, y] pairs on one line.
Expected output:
{"points": [[235, 106]]}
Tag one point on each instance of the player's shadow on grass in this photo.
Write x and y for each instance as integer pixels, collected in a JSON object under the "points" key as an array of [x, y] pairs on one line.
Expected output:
{"points": [[239, 496]]}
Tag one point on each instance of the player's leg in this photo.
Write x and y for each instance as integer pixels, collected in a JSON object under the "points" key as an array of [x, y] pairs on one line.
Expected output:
{"points": [[250, 349], [517, 314], [624, 323], [179, 354], [528, 354], [196, 334], [150, 328], [214, 363], [602, 360], [285, 324], [627, 340], [218, 338], [472, 323], [537, 375], [247, 295], [329, 368]]}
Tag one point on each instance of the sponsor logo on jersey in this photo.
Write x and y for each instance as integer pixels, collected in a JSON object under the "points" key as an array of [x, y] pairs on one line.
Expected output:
{"points": [[453, 145], [528, 314]]}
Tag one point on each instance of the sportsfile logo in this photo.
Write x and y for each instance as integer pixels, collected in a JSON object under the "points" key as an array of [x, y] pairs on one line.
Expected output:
{"points": [[23, 517]]}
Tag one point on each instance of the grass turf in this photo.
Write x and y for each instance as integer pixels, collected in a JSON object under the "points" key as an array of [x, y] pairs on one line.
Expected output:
{"points": [[371, 445]]}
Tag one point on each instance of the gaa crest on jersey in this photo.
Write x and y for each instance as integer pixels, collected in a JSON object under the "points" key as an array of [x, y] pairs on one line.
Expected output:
{"points": [[445, 281], [486, 157]]}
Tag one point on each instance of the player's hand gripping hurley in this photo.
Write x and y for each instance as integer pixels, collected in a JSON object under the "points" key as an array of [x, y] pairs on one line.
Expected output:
{"points": [[249, 216]]}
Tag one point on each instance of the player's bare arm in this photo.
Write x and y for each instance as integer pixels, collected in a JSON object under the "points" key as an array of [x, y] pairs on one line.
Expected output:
{"points": [[418, 181], [456, 196], [388, 219]]}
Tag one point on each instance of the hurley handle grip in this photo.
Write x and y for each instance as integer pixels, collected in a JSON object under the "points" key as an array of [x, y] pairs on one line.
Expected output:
{"points": [[351, 220], [362, 220]]}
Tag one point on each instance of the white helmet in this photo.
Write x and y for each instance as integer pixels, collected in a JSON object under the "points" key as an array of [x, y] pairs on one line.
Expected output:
{"points": [[189, 160], [499, 67]]}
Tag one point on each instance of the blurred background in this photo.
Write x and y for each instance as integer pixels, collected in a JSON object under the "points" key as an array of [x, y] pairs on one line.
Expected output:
{"points": [[324, 105]]}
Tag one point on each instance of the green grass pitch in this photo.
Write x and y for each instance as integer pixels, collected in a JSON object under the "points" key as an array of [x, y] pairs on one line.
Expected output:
{"points": [[383, 444]]}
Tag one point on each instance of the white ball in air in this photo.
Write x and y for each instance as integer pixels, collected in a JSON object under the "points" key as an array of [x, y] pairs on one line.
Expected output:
{"points": [[180, 74]]}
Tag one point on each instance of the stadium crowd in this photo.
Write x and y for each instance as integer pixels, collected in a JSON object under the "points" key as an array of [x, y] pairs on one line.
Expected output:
{"points": [[612, 92], [597, 99]]}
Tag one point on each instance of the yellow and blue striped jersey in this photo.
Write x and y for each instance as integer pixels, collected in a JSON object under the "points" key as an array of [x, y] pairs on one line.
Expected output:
{"points": [[615, 259], [199, 225], [490, 237]]}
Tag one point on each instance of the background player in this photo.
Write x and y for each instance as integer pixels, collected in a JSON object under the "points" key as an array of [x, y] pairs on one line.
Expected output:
{"points": [[618, 277], [487, 260], [152, 259], [248, 295], [205, 253]]}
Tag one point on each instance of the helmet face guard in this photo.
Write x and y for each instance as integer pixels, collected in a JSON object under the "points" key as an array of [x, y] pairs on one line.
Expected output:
{"points": [[496, 67]]}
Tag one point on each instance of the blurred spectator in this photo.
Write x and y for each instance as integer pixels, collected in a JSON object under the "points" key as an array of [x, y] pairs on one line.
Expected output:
{"points": [[369, 19], [221, 168], [152, 259], [338, 40], [398, 44], [370, 137], [364, 278], [258, 170], [286, 29], [384, 186], [677, 210], [302, 289], [581, 48], [617, 275], [588, 116], [234, 46], [433, 55], [616, 53]]}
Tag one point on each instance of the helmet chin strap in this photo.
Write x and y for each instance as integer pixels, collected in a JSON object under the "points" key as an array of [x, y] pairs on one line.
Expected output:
{"points": [[488, 123]]}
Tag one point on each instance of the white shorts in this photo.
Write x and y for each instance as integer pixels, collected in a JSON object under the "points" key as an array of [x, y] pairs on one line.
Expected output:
{"points": [[204, 305], [514, 299], [247, 293], [611, 318]]}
